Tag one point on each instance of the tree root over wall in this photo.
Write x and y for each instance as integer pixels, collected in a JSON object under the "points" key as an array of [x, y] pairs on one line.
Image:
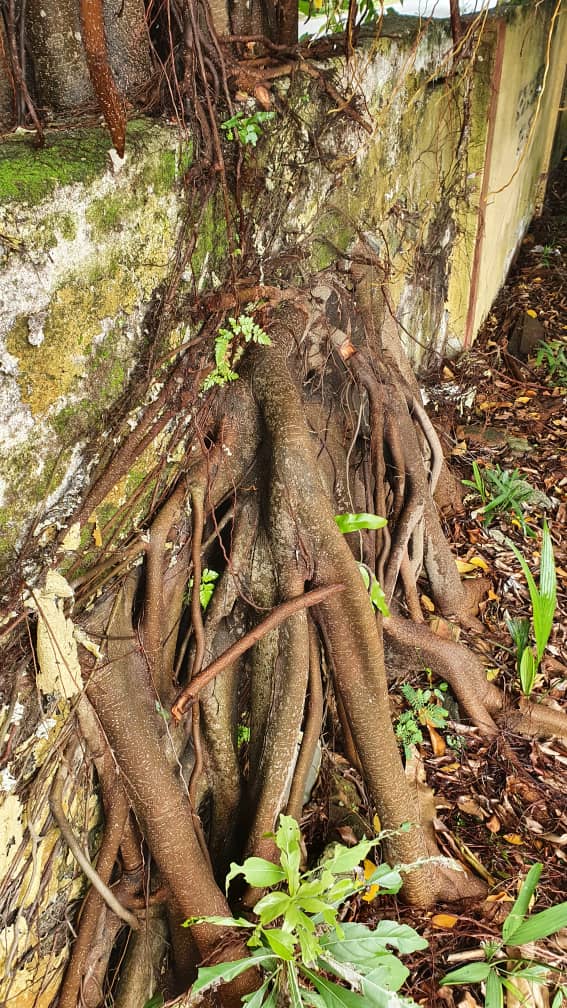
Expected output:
{"points": [[325, 420]]}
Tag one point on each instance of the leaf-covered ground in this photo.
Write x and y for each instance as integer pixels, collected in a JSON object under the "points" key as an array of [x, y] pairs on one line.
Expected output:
{"points": [[497, 808]]}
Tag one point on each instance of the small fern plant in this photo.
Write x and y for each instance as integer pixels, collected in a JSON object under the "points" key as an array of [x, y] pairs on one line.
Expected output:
{"points": [[425, 708], [229, 347], [305, 955]]}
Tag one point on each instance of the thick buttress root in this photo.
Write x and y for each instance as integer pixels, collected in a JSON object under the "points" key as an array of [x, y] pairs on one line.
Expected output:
{"points": [[255, 498]]}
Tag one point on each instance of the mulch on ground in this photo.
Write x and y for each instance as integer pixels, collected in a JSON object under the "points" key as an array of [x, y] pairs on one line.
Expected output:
{"points": [[504, 408]]}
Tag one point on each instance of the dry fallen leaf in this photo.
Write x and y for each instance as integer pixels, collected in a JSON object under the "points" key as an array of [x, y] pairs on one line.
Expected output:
{"points": [[427, 603], [494, 824], [444, 920], [513, 838], [438, 743], [372, 892]]}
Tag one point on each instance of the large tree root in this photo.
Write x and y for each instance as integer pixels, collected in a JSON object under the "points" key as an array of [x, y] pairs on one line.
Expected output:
{"points": [[255, 497]]}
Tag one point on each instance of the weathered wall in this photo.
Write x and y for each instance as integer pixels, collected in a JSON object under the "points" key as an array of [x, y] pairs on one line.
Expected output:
{"points": [[529, 70], [83, 250]]}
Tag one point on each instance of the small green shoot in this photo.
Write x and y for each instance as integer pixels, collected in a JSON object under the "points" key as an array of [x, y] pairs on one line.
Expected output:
{"points": [[298, 941], [207, 586], [242, 735], [426, 707], [248, 129], [553, 353], [498, 971], [503, 492], [229, 347], [349, 522], [544, 604]]}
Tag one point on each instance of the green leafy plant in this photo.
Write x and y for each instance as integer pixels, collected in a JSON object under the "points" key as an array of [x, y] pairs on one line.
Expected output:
{"points": [[499, 971], [426, 707], [298, 942], [553, 353], [503, 492], [207, 586], [544, 604], [349, 522], [229, 347], [242, 735], [248, 129]]}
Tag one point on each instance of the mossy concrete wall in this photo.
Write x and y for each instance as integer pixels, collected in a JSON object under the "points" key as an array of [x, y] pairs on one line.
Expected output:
{"points": [[82, 250]]}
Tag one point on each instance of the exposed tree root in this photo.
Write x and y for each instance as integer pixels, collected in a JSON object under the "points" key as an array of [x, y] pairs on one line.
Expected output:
{"points": [[263, 473]]}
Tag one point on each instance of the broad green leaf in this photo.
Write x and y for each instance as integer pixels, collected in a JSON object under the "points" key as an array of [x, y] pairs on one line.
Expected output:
{"points": [[342, 888], [310, 948], [333, 995], [225, 972], [387, 878], [288, 840], [494, 991], [528, 671], [543, 601], [389, 975], [540, 925], [346, 859], [312, 904], [355, 522], [473, 973], [272, 905], [257, 871], [521, 906], [256, 999], [281, 942], [534, 973], [362, 945], [316, 1001], [377, 597], [544, 611]]}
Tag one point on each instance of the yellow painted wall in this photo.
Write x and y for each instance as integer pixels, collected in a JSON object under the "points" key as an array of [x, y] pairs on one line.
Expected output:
{"points": [[533, 67]]}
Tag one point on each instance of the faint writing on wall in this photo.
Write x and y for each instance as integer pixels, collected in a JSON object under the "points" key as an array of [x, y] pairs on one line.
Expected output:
{"points": [[526, 108]]}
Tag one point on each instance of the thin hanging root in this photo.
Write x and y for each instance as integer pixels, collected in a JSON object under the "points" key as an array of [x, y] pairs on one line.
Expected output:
{"points": [[56, 805], [278, 615], [111, 101], [154, 615], [312, 729], [197, 502], [92, 906], [430, 434]]}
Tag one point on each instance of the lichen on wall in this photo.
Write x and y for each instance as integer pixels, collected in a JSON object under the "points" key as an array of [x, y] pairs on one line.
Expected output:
{"points": [[82, 251]]}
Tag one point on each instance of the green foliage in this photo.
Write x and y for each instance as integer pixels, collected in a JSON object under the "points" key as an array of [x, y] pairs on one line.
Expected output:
{"points": [[425, 708], [229, 347], [498, 972], [544, 604], [335, 13], [355, 522], [242, 735], [349, 522], [502, 492], [207, 586], [248, 129], [553, 353], [298, 941]]}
